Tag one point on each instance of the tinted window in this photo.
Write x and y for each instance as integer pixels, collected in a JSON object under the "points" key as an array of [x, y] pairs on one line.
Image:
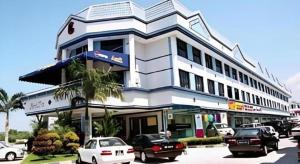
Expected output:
{"points": [[211, 86], [111, 142], [229, 91], [234, 74], [221, 89], [247, 132], [197, 56], [112, 45], [152, 137], [219, 66], [184, 79], [199, 83], [236, 94], [227, 70], [208, 61], [241, 77], [182, 48]]}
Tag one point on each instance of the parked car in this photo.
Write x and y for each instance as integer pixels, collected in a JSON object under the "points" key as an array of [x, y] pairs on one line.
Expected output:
{"points": [[272, 131], [223, 129], [156, 146], [251, 125], [10, 153], [296, 132], [257, 140], [108, 150], [282, 127]]}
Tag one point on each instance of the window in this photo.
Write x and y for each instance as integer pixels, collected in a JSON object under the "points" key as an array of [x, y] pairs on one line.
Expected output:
{"points": [[227, 70], [255, 84], [211, 86], [246, 79], [208, 61], [241, 77], [197, 56], [182, 48], [248, 97], [221, 89], [234, 73], [251, 82], [79, 50], [258, 83], [184, 79], [257, 100], [199, 83], [262, 87], [229, 91], [253, 99], [112, 45], [236, 94], [243, 96], [219, 67]]}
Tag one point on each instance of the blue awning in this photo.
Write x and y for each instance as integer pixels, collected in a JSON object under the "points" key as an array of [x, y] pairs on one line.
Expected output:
{"points": [[52, 74]]}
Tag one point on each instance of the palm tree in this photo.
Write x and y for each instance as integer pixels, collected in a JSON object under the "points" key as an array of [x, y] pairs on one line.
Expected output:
{"points": [[8, 104], [89, 83]]}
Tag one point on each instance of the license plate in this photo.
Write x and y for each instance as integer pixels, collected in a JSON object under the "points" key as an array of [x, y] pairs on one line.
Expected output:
{"points": [[168, 147], [119, 153], [243, 142]]}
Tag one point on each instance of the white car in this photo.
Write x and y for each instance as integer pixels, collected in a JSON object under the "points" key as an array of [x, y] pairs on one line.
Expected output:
{"points": [[296, 131], [224, 129], [106, 150], [272, 131], [10, 153]]}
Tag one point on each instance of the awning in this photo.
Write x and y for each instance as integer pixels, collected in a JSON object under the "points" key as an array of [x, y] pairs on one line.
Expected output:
{"points": [[52, 74]]}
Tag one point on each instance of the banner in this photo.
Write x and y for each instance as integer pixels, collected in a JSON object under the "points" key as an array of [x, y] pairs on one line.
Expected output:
{"points": [[199, 126]]}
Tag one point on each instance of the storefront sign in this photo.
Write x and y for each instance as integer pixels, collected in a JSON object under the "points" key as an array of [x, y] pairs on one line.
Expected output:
{"points": [[199, 126], [242, 107]]}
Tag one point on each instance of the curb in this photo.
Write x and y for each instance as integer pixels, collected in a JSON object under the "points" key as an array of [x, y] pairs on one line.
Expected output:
{"points": [[63, 162], [208, 146]]}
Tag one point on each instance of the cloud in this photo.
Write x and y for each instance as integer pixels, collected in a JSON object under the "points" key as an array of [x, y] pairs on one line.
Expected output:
{"points": [[294, 84]]}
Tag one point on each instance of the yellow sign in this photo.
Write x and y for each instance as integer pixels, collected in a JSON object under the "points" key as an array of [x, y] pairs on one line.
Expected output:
{"points": [[241, 106]]}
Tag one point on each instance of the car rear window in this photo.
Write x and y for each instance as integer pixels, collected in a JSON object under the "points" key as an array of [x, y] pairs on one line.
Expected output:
{"points": [[155, 137], [111, 142], [247, 132]]}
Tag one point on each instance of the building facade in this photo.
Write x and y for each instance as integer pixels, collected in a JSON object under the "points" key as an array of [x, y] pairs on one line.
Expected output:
{"points": [[175, 69]]}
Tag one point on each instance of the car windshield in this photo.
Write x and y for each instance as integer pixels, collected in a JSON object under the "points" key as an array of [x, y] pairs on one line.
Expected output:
{"points": [[155, 137], [247, 132], [2, 144], [268, 128], [111, 142]]}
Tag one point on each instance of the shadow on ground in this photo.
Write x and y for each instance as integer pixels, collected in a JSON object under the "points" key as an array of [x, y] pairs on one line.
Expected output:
{"points": [[155, 160]]}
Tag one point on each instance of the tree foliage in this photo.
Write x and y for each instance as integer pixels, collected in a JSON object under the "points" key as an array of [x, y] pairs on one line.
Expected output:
{"points": [[46, 142], [107, 126], [71, 141]]}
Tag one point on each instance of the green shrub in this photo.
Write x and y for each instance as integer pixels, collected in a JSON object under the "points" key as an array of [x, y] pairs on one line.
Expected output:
{"points": [[71, 142], [46, 143], [201, 141]]}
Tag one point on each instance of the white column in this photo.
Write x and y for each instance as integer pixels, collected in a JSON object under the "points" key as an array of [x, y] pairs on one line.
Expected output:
{"points": [[174, 61], [132, 72], [90, 124], [63, 71], [90, 44]]}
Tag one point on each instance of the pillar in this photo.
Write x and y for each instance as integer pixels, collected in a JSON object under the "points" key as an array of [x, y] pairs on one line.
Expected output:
{"points": [[63, 71], [174, 61], [131, 74]]}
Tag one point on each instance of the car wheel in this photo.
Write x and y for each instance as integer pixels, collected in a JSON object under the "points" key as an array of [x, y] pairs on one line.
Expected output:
{"points": [[276, 146], [265, 150], [78, 161], [235, 154], [172, 158], [10, 156], [144, 158], [94, 160]]}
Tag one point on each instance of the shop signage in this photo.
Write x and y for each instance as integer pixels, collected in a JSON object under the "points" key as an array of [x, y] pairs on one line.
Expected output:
{"points": [[170, 116], [199, 126], [233, 105]]}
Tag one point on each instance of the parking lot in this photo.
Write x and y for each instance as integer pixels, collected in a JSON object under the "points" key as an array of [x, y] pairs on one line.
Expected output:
{"points": [[287, 154]]}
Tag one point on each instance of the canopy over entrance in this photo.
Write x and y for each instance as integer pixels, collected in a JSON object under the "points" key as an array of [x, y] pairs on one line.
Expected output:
{"points": [[52, 74]]}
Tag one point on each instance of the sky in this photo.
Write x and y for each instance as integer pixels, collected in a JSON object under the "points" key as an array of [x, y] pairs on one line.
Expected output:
{"points": [[266, 30]]}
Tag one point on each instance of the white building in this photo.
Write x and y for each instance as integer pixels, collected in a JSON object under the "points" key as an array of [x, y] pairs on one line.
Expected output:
{"points": [[175, 69]]}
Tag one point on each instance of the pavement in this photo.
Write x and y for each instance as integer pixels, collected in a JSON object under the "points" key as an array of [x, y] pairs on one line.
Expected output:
{"points": [[287, 154]]}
